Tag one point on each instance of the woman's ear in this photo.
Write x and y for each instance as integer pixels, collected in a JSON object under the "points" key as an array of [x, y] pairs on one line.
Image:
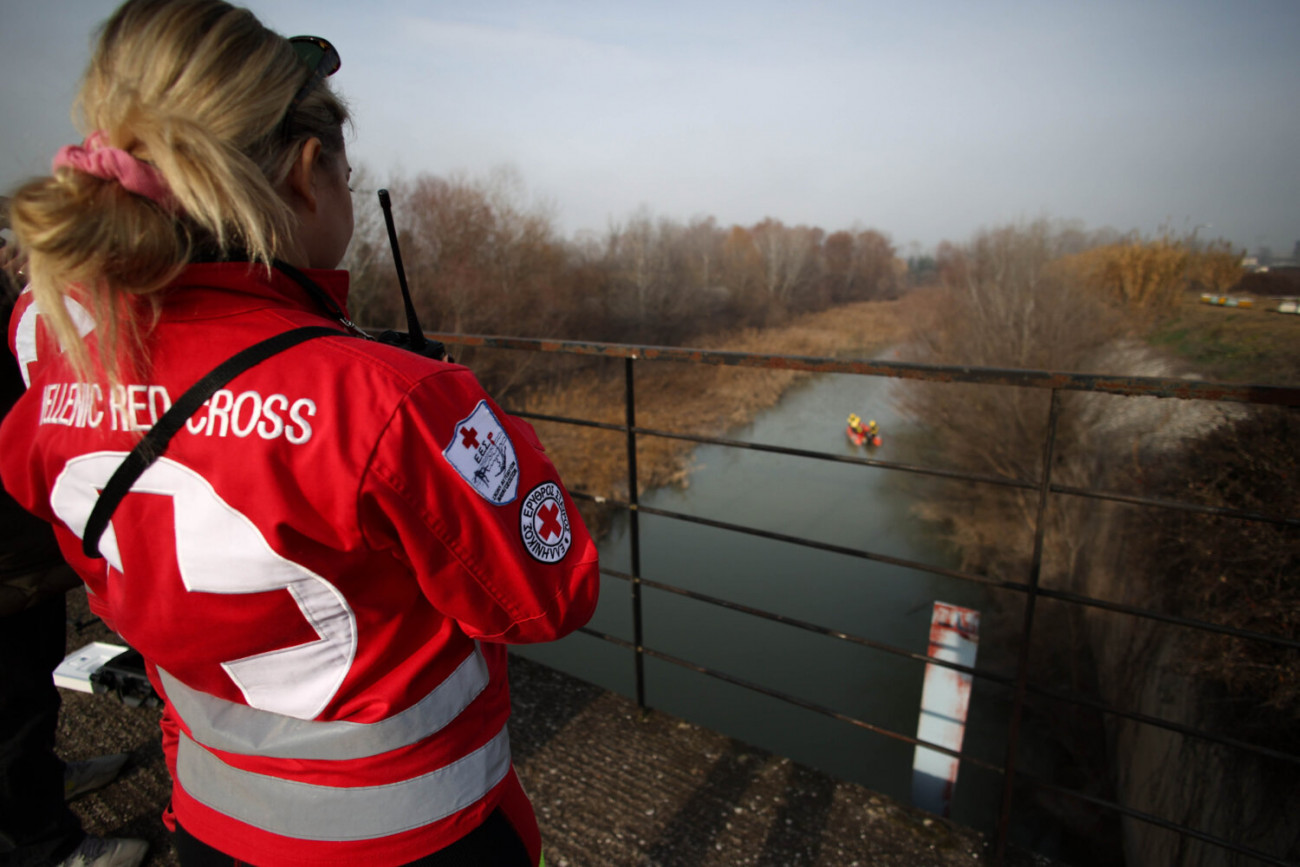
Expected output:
{"points": [[301, 174]]}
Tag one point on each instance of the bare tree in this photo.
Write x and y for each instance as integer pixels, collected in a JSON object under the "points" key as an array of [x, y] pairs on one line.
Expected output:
{"points": [[787, 255], [1005, 307]]}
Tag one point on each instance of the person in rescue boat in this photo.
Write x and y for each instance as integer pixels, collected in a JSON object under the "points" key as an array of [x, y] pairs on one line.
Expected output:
{"points": [[324, 568]]}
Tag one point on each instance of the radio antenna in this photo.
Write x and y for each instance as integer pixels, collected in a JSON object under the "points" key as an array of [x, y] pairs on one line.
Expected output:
{"points": [[412, 321]]}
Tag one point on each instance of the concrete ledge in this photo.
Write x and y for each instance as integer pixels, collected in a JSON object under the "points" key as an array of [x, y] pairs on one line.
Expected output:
{"points": [[611, 786]]}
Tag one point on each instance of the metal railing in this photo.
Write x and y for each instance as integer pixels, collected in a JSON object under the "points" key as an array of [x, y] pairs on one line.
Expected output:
{"points": [[1044, 488]]}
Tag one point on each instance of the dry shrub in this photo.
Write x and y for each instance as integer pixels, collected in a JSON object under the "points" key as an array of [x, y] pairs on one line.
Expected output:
{"points": [[1144, 277], [1006, 305], [1147, 278], [1238, 573], [1216, 269]]}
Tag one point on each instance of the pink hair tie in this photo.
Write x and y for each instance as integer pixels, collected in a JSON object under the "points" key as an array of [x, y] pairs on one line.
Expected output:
{"points": [[102, 160]]}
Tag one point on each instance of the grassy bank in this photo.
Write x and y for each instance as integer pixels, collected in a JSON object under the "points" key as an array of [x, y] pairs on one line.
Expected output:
{"points": [[697, 399], [1234, 344]]}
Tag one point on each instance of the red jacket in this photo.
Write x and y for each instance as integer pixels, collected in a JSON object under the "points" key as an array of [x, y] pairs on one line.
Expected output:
{"points": [[322, 570]]}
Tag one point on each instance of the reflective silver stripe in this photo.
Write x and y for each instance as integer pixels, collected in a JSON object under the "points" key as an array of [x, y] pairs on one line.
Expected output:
{"points": [[310, 812], [238, 728]]}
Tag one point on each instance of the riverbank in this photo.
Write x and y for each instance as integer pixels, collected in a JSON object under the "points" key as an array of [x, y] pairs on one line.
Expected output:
{"points": [[703, 400]]}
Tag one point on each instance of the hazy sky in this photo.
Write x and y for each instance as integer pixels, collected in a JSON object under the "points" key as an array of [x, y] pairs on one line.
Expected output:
{"points": [[926, 120]]}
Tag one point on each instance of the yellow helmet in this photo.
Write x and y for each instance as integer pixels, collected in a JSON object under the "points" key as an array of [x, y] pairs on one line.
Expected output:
{"points": [[853, 418], [872, 424]]}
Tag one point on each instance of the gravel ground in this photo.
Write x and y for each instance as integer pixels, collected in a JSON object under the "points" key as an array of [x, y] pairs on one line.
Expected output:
{"points": [[611, 785]]}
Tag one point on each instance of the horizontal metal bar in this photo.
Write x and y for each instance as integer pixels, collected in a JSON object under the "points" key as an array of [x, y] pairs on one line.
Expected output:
{"points": [[785, 450], [958, 475], [791, 699], [847, 459], [983, 674], [581, 422], [1176, 505], [1183, 830], [1132, 386], [811, 627], [1059, 595], [835, 549], [1157, 722], [1172, 619]]}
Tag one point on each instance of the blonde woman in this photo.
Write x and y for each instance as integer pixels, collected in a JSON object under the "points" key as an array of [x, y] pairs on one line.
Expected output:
{"points": [[325, 563]]}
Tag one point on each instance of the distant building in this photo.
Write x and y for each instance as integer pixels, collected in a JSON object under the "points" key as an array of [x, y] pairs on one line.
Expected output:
{"points": [[1255, 264]]}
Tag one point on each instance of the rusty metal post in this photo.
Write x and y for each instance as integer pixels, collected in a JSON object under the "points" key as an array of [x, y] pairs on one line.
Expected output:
{"points": [[1022, 663], [634, 532]]}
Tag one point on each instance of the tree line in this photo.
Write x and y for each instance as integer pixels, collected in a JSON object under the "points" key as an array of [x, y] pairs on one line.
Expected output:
{"points": [[480, 260]]}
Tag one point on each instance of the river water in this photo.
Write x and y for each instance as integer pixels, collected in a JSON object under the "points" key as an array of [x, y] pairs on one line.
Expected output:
{"points": [[864, 508]]}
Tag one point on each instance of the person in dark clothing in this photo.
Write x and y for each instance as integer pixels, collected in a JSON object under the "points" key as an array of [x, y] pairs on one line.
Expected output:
{"points": [[36, 826]]}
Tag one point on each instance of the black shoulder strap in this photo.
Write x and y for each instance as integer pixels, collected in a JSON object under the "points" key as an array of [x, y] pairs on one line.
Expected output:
{"points": [[154, 443]]}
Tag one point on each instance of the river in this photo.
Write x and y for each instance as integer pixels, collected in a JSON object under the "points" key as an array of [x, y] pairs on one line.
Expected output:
{"points": [[865, 508]]}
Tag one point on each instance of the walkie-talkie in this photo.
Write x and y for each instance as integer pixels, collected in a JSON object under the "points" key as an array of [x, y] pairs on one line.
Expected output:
{"points": [[414, 338]]}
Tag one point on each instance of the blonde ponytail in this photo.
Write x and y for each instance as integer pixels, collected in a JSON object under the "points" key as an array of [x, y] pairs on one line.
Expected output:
{"points": [[198, 90]]}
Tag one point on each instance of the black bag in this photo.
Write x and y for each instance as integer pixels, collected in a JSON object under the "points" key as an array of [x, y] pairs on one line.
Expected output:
{"points": [[124, 677]]}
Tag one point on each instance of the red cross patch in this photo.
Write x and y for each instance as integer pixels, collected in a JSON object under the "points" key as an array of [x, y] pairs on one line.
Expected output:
{"points": [[544, 523]]}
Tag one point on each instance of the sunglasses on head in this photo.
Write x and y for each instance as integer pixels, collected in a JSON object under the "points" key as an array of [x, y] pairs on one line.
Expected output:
{"points": [[320, 57]]}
